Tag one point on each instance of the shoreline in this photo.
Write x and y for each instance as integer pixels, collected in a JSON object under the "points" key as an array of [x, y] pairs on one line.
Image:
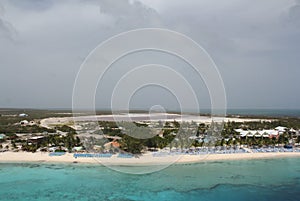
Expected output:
{"points": [[49, 122], [144, 160]]}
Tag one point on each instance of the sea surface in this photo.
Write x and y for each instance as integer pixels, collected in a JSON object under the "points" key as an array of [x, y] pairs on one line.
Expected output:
{"points": [[266, 112], [268, 179], [257, 112]]}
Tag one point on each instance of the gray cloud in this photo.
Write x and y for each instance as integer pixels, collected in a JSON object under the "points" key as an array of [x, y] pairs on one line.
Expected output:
{"points": [[130, 14], [33, 5], [254, 43], [7, 31], [294, 14]]}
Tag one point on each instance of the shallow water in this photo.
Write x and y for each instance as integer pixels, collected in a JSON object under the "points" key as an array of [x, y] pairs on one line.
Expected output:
{"points": [[272, 179]]}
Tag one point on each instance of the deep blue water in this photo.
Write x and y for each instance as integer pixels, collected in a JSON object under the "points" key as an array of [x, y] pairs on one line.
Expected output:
{"points": [[258, 112], [266, 112], [272, 179]]}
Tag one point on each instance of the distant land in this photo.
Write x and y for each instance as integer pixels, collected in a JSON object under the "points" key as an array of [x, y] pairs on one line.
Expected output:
{"points": [[275, 113]]}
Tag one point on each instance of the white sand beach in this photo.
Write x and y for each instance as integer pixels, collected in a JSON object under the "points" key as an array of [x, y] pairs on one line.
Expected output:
{"points": [[146, 159], [70, 121]]}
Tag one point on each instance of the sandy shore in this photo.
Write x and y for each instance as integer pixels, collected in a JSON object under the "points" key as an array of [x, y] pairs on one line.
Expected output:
{"points": [[49, 122], [147, 159]]}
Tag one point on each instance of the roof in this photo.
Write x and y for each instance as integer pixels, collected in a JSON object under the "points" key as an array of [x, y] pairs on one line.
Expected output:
{"points": [[280, 128], [112, 137], [24, 122], [77, 148], [258, 133], [36, 137], [112, 144], [2, 136], [115, 144], [193, 137]]}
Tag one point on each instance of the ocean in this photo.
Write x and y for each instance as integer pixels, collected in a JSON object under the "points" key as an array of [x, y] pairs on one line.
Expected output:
{"points": [[257, 112], [265, 112], [268, 179]]}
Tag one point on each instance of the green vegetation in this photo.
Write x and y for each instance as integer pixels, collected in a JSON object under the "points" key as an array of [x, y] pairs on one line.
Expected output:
{"points": [[138, 137], [29, 147], [10, 116], [15, 128], [259, 125], [135, 146], [110, 128], [10, 126], [69, 141], [66, 128]]}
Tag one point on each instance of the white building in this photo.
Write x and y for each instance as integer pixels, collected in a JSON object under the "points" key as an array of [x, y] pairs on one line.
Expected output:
{"points": [[2, 136], [281, 129], [258, 133], [23, 115], [24, 122]]}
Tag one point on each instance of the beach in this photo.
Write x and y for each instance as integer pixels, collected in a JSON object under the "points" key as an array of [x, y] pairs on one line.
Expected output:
{"points": [[71, 121], [146, 159]]}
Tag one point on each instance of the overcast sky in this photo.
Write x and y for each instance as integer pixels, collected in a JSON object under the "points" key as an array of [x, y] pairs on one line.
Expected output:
{"points": [[254, 43]]}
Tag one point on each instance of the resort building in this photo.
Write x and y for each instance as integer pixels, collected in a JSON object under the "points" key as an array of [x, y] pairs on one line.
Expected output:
{"points": [[24, 123], [2, 137], [281, 129], [23, 115], [37, 139], [259, 133], [110, 145], [77, 149]]}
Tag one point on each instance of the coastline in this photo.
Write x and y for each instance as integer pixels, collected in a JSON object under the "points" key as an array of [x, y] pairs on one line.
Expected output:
{"points": [[51, 121], [144, 160]]}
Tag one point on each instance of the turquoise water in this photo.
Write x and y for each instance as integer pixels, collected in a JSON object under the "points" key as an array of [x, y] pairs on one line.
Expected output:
{"points": [[276, 179]]}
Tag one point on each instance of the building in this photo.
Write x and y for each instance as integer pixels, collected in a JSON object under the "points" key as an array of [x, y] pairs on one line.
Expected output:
{"points": [[110, 145], [2, 137], [23, 115], [77, 149], [31, 123], [258, 133], [24, 123], [281, 129], [37, 139]]}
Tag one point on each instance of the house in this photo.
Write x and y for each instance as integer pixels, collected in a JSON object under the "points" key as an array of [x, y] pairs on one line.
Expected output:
{"points": [[52, 149], [281, 129], [258, 133], [77, 149], [24, 123], [238, 130], [97, 148], [23, 115], [292, 131], [37, 139], [2, 137], [160, 133], [113, 144], [31, 123], [194, 137], [112, 137]]}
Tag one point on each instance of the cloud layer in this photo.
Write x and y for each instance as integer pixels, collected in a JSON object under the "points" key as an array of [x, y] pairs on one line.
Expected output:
{"points": [[255, 45]]}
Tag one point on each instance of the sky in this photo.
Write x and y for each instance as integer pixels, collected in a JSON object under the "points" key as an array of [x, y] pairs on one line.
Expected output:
{"points": [[255, 45]]}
